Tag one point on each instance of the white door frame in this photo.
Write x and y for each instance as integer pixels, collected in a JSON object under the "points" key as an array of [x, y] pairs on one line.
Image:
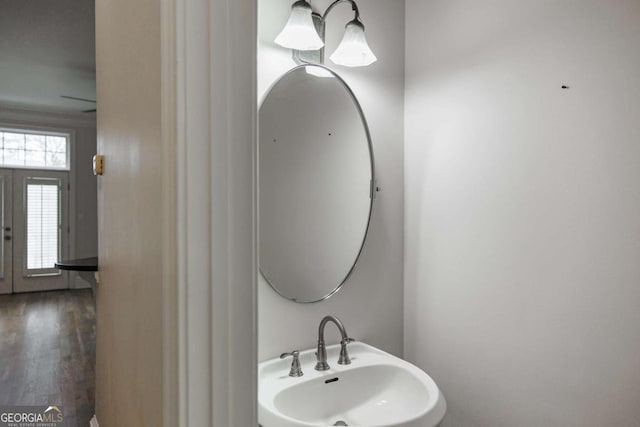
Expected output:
{"points": [[209, 139]]}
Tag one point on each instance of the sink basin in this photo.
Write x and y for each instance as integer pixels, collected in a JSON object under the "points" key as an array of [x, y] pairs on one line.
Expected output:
{"points": [[375, 390]]}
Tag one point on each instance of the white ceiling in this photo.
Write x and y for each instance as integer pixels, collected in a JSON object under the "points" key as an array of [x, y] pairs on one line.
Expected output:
{"points": [[47, 49]]}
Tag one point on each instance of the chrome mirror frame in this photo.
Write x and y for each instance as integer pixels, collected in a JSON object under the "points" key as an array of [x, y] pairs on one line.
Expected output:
{"points": [[373, 188]]}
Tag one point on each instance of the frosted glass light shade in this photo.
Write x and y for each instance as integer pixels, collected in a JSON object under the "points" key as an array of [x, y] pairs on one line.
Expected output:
{"points": [[299, 33], [353, 50]]}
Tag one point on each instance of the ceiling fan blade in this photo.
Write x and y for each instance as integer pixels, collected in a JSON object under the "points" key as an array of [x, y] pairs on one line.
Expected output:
{"points": [[77, 99], [89, 111]]}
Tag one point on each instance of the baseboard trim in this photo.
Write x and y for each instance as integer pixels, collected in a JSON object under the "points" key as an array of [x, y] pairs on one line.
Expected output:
{"points": [[94, 422]]}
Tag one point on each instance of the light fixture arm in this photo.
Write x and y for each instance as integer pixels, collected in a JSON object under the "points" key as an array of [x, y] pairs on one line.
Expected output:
{"points": [[317, 56], [323, 19], [354, 7]]}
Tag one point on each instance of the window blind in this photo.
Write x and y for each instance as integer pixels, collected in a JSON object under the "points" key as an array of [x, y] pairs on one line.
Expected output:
{"points": [[43, 225]]}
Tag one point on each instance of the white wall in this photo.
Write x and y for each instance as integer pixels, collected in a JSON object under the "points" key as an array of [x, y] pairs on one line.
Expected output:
{"points": [[523, 209], [83, 127], [370, 304]]}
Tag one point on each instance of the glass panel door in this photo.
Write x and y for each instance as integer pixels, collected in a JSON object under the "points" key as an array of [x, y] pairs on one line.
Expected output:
{"points": [[6, 246], [43, 225], [40, 234]]}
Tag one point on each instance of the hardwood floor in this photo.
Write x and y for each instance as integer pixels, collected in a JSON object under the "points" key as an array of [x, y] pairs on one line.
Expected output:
{"points": [[47, 352]]}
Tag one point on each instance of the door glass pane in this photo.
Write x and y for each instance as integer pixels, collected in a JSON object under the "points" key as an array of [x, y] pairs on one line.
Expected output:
{"points": [[43, 220]]}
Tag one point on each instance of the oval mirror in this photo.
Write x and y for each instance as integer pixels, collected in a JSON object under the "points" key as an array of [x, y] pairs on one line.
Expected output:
{"points": [[316, 176]]}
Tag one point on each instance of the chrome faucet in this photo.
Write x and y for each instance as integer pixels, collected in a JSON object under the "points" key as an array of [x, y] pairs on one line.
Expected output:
{"points": [[296, 370], [321, 354]]}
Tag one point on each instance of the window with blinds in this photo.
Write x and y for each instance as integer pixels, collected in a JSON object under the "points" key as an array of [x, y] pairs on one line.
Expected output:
{"points": [[43, 222], [30, 149]]}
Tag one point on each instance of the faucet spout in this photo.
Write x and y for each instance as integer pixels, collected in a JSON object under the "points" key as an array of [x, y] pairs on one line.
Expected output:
{"points": [[335, 320], [321, 354]]}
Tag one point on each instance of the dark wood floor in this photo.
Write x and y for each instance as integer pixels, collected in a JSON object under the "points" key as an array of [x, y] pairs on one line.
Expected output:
{"points": [[47, 352]]}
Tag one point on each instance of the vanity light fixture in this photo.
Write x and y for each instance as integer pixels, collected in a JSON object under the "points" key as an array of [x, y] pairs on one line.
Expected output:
{"points": [[299, 32], [305, 30]]}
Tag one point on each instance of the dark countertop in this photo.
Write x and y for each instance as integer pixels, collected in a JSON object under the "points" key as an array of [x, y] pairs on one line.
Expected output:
{"points": [[80, 264]]}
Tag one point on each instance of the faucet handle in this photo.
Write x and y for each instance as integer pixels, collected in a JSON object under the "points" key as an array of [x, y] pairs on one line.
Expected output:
{"points": [[344, 354], [296, 370]]}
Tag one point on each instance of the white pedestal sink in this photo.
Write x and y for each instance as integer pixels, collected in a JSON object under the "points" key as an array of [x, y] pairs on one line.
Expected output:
{"points": [[375, 390]]}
